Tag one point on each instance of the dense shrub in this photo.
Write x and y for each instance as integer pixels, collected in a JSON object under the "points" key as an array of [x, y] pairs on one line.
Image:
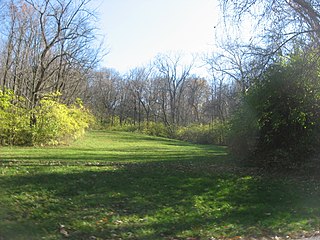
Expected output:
{"points": [[214, 133], [156, 129], [243, 135], [113, 123], [279, 118], [56, 123], [14, 118], [149, 128]]}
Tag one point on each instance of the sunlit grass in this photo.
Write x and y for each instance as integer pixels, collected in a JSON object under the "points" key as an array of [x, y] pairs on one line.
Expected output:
{"points": [[122, 185], [113, 147]]}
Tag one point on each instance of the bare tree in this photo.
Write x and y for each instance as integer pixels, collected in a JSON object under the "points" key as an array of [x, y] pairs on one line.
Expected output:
{"points": [[194, 98], [174, 74], [104, 94], [48, 47], [140, 82], [279, 21]]}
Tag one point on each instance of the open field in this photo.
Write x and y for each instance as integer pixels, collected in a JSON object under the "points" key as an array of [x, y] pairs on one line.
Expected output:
{"points": [[113, 185]]}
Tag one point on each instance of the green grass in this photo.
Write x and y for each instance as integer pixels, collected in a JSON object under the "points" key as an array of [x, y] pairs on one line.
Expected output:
{"points": [[114, 185]]}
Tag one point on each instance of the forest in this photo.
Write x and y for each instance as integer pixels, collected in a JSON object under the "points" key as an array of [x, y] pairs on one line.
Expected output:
{"points": [[160, 152], [262, 98]]}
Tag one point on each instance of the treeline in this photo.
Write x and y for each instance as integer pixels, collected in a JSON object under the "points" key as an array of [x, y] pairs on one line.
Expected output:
{"points": [[277, 120], [261, 97], [46, 50], [268, 119], [163, 98]]}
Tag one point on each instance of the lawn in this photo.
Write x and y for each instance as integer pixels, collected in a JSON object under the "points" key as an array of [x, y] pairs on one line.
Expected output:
{"points": [[113, 185]]}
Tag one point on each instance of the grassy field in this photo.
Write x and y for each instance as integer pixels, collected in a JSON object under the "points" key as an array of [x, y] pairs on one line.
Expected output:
{"points": [[113, 185]]}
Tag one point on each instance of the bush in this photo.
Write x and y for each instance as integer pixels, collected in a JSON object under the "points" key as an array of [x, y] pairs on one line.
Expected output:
{"points": [[149, 128], [56, 123], [214, 133], [14, 118], [156, 129], [279, 117], [244, 131]]}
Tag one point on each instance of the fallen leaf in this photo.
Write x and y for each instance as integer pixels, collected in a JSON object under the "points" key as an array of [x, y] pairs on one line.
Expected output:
{"points": [[63, 231]]}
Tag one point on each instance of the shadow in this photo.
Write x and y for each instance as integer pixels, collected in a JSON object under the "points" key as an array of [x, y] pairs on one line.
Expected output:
{"points": [[118, 185], [154, 200]]}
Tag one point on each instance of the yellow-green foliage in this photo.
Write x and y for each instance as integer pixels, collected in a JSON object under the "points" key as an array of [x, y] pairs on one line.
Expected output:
{"points": [[58, 123], [14, 119], [156, 129], [214, 133], [149, 128], [55, 123]]}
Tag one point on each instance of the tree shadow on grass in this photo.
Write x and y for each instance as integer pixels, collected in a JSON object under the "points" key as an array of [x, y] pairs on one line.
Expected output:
{"points": [[154, 200]]}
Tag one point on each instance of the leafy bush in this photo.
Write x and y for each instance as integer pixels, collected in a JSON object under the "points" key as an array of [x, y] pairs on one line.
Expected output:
{"points": [[244, 130], [279, 118], [156, 129], [149, 128], [214, 133], [14, 118], [56, 123], [113, 123]]}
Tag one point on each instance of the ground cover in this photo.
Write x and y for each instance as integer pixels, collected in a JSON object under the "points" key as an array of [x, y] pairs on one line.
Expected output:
{"points": [[113, 185]]}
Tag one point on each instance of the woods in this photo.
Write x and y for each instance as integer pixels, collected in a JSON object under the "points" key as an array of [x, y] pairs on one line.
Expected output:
{"points": [[50, 52], [165, 92], [222, 144], [46, 49]]}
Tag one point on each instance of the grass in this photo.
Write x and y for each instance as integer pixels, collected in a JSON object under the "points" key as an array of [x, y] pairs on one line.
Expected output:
{"points": [[113, 185]]}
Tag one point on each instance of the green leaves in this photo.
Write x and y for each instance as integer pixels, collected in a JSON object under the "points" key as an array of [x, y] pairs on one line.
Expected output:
{"points": [[281, 112], [58, 123], [14, 119], [50, 123]]}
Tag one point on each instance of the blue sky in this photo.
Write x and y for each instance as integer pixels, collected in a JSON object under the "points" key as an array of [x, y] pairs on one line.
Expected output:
{"points": [[136, 30]]}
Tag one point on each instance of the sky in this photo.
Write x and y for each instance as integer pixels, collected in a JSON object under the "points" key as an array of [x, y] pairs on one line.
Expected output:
{"points": [[135, 31]]}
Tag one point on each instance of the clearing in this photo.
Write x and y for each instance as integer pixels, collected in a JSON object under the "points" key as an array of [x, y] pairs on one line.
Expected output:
{"points": [[114, 185]]}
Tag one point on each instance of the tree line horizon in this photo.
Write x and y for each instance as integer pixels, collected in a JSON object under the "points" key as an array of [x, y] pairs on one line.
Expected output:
{"points": [[49, 62]]}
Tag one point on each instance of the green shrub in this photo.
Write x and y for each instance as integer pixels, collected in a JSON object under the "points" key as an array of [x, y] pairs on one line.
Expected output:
{"points": [[156, 129], [56, 123], [214, 133], [148, 128], [278, 121], [113, 123], [244, 131], [14, 118]]}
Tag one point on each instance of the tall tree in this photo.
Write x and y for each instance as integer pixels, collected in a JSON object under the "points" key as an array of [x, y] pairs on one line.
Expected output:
{"points": [[48, 47], [174, 74], [279, 21], [140, 81], [104, 93]]}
